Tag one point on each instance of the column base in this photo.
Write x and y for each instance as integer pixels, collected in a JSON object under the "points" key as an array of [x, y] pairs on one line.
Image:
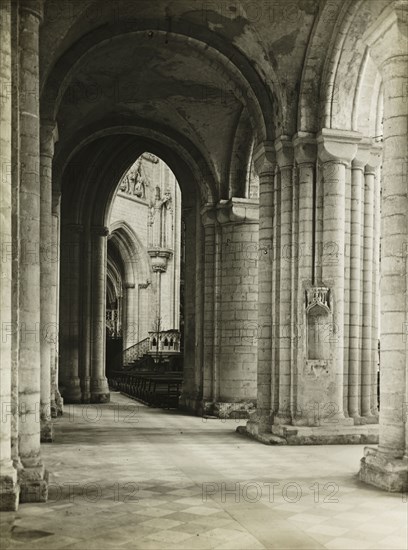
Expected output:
{"points": [[46, 431], [86, 390], [59, 403], [99, 397], [380, 470], [9, 489], [223, 409], [33, 484], [99, 390], [361, 420], [190, 403], [295, 435], [53, 406], [72, 391], [259, 427], [322, 422]]}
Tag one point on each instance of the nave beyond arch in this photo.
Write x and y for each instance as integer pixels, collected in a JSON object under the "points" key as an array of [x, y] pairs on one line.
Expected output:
{"points": [[287, 133]]}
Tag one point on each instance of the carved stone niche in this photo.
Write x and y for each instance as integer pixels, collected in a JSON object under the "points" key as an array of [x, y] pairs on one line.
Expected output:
{"points": [[319, 328]]}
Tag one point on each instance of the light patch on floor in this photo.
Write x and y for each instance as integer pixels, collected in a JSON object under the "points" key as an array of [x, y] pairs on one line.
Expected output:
{"points": [[165, 480]]}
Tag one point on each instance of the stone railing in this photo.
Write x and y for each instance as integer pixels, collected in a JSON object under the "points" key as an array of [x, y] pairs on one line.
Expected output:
{"points": [[135, 352], [164, 342]]}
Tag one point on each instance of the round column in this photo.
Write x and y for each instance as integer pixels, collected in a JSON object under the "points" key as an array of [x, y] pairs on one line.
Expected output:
{"points": [[56, 399], [85, 358], [71, 250], [208, 217], [387, 467], [284, 150], [305, 149], [265, 165], [32, 476], [356, 265], [130, 321], [8, 474], [366, 358], [336, 150], [99, 383], [47, 257], [394, 288]]}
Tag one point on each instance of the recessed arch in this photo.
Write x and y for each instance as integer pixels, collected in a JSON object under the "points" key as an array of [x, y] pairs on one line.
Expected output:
{"points": [[178, 152], [263, 104], [133, 253], [349, 73]]}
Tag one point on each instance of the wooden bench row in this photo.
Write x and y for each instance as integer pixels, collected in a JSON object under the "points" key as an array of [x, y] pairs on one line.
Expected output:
{"points": [[155, 389]]}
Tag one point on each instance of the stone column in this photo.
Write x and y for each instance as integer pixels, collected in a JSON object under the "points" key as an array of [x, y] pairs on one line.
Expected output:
{"points": [[366, 358], [237, 299], [84, 359], [305, 149], [265, 165], [191, 396], [9, 493], [387, 466], [130, 317], [275, 257], [208, 217], [356, 269], [284, 152], [47, 257], [367, 370], [32, 477], [336, 150], [56, 399], [376, 284], [71, 255], [99, 383]]}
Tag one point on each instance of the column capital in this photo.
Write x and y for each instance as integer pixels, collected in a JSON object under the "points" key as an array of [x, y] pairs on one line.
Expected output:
{"points": [[100, 231], [305, 148], [237, 210], [338, 146], [48, 137], [284, 151], [143, 286], [56, 202], [264, 158], [208, 215], [363, 154], [35, 7], [375, 159], [387, 36], [129, 285]]}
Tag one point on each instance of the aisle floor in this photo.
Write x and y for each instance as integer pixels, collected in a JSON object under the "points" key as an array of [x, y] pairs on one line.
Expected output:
{"points": [[123, 475]]}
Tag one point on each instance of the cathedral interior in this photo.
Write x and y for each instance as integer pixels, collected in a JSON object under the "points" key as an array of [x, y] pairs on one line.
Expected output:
{"points": [[204, 291]]}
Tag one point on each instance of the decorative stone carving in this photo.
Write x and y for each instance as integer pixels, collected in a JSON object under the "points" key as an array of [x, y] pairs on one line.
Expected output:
{"points": [[318, 296], [135, 180], [160, 218], [144, 285], [159, 258], [150, 157]]}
